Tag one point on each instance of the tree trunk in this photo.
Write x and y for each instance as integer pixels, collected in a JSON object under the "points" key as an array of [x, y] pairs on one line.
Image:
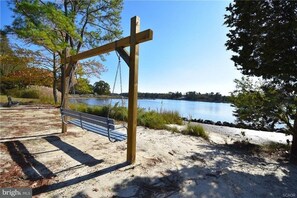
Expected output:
{"points": [[55, 79], [293, 155]]}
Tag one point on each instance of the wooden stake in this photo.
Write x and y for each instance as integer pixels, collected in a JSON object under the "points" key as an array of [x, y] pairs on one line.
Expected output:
{"points": [[133, 91]]}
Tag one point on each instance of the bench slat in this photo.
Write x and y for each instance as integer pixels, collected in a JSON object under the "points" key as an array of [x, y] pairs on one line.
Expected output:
{"points": [[99, 130], [103, 119], [98, 120]]}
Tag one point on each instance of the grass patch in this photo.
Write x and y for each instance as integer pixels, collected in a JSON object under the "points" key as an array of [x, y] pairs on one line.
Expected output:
{"points": [[158, 120], [33, 94], [150, 119], [273, 147], [3, 100], [277, 150], [173, 129], [115, 112], [196, 130]]}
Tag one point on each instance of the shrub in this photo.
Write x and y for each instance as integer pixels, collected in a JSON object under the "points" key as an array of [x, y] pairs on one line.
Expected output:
{"points": [[117, 113], [158, 120], [150, 119], [195, 130], [172, 117], [272, 147], [29, 93], [44, 94], [120, 113], [172, 129]]}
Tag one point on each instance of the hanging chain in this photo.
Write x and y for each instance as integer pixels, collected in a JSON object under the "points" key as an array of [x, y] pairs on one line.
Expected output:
{"points": [[116, 76]]}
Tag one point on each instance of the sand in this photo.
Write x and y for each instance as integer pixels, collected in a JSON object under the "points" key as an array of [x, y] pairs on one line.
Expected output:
{"points": [[82, 164]]}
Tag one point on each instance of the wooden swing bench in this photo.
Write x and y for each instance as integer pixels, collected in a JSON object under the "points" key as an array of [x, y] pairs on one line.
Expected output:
{"points": [[101, 125]]}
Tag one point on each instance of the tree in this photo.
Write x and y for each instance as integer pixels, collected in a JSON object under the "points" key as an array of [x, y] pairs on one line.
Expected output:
{"points": [[83, 86], [263, 36], [56, 25], [12, 58], [262, 104], [28, 76], [15, 60], [101, 88]]}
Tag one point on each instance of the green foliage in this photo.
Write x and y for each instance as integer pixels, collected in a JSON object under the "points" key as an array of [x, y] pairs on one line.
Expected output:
{"points": [[28, 76], [56, 25], [150, 119], [22, 101], [101, 88], [12, 58], [23, 93], [263, 36], [29, 94], [208, 97], [272, 147], [43, 24], [196, 130], [115, 112], [263, 105], [157, 120], [43, 94], [83, 86]]}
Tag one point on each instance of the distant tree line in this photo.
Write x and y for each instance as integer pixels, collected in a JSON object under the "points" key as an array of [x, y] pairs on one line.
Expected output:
{"points": [[191, 96]]}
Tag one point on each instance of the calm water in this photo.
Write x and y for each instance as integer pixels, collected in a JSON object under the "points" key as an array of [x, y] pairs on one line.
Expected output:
{"points": [[189, 109]]}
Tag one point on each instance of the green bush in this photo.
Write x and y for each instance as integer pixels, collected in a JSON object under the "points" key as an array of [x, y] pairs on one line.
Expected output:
{"points": [[172, 117], [195, 130], [158, 120], [16, 93], [29, 93], [44, 94], [151, 119]]}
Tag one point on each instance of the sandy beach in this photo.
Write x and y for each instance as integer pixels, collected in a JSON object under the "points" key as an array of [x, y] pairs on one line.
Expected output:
{"points": [[35, 154]]}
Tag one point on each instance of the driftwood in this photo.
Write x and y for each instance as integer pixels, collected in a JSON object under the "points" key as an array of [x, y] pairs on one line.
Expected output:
{"points": [[11, 103]]}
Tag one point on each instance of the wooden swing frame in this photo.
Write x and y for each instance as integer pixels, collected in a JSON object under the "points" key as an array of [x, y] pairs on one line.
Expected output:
{"points": [[132, 60]]}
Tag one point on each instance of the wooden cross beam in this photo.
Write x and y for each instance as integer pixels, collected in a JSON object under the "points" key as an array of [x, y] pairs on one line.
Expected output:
{"points": [[119, 44], [132, 60]]}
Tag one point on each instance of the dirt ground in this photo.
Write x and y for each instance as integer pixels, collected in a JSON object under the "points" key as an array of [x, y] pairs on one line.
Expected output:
{"points": [[35, 154]]}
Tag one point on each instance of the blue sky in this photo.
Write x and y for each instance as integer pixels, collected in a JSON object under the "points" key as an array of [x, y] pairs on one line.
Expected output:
{"points": [[187, 52]]}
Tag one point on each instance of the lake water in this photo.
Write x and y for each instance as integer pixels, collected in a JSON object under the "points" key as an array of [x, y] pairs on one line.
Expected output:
{"points": [[189, 109]]}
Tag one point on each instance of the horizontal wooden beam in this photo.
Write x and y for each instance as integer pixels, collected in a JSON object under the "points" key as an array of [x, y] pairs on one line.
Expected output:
{"points": [[124, 42]]}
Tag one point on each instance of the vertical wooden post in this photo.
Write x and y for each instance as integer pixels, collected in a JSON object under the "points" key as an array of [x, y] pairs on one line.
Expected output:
{"points": [[133, 91], [65, 88]]}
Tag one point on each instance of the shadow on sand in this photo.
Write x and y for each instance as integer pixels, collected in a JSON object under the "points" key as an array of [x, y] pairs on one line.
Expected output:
{"points": [[33, 169], [28, 137], [215, 180], [77, 180], [73, 152]]}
